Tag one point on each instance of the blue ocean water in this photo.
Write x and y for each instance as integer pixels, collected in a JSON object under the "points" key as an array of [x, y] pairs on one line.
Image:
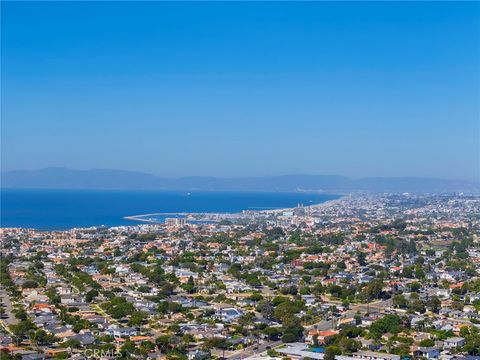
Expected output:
{"points": [[64, 209]]}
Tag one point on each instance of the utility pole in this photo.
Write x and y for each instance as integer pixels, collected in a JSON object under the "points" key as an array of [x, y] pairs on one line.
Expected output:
{"points": [[331, 313]]}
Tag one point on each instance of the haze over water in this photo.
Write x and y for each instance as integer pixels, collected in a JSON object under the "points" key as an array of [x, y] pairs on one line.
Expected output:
{"points": [[64, 209]]}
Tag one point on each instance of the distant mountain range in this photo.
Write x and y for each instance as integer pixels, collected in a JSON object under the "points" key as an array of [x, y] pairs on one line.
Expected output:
{"points": [[62, 178]]}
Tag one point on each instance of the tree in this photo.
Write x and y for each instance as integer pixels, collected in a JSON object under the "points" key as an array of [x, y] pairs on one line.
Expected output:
{"points": [[61, 355], [5, 355], [272, 353], [90, 295], [118, 307], [434, 304], [403, 350], [128, 349], [190, 286], [361, 258], [246, 320], [374, 289], [331, 352], [265, 307], [144, 288], [419, 273], [407, 272], [53, 296], [165, 307], [72, 343], [30, 284], [292, 333], [417, 306], [137, 318], [21, 329], [42, 338], [256, 297], [400, 301], [292, 329], [289, 290], [287, 309], [146, 347], [215, 342], [273, 333], [427, 343], [348, 345], [389, 323], [472, 342], [21, 314], [415, 286], [412, 247], [163, 342]]}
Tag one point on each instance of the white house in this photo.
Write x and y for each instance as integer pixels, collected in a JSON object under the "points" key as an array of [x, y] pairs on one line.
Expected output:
{"points": [[116, 331], [228, 314]]}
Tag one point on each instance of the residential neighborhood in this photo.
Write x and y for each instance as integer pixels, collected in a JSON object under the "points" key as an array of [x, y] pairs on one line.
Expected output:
{"points": [[372, 277]]}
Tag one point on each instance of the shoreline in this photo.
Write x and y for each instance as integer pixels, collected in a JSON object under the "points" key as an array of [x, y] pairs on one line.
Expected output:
{"points": [[54, 220], [140, 217]]}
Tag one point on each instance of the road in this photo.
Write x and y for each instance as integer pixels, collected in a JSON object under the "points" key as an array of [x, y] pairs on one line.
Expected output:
{"points": [[10, 319], [5, 299], [101, 312], [377, 306], [252, 350]]}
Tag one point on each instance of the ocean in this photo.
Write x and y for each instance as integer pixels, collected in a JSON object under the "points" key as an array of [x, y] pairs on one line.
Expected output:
{"points": [[65, 209]]}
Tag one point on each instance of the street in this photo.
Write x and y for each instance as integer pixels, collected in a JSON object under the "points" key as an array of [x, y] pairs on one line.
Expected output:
{"points": [[252, 350], [5, 299], [378, 306]]}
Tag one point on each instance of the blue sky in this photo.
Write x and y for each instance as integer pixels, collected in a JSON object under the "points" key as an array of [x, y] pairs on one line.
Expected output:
{"points": [[240, 89]]}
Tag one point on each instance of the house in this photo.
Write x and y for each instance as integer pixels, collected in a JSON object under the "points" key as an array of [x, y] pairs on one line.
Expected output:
{"points": [[35, 296], [46, 320], [42, 308], [71, 299], [228, 314], [85, 338], [310, 300], [371, 355], [453, 342], [139, 339], [5, 340], [122, 269], [370, 344], [199, 355], [320, 336], [116, 331], [299, 351], [346, 322], [65, 290], [427, 352], [443, 293], [65, 334], [28, 354]]}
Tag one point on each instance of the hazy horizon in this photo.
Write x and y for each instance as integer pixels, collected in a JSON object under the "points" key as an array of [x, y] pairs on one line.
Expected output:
{"points": [[236, 177], [227, 89]]}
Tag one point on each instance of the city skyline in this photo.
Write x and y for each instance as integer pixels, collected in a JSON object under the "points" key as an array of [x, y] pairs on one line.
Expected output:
{"points": [[179, 89]]}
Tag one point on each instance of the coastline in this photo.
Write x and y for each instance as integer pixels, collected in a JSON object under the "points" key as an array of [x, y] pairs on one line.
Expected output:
{"points": [[63, 210], [226, 215]]}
